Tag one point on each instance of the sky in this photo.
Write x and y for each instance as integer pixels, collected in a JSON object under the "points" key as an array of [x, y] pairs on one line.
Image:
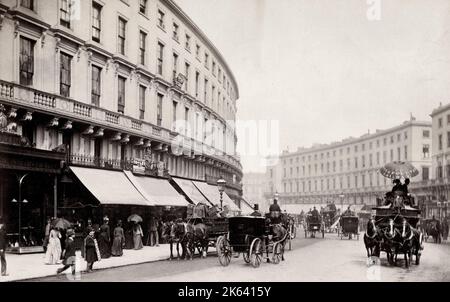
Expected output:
{"points": [[325, 70]]}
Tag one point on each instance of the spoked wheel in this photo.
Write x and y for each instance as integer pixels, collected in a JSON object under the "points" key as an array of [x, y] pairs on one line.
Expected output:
{"points": [[223, 250], [256, 251], [289, 238], [277, 253], [246, 257]]}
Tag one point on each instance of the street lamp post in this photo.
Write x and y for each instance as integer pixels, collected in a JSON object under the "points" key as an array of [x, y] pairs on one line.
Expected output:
{"points": [[342, 200], [221, 186], [20, 201]]}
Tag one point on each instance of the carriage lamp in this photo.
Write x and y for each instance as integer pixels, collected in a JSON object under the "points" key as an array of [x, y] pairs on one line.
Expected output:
{"points": [[221, 186]]}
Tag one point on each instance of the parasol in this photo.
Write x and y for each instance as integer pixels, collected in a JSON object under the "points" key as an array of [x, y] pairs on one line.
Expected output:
{"points": [[135, 218], [399, 169], [61, 223]]}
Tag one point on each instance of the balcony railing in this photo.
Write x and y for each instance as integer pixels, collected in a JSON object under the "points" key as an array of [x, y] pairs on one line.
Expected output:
{"points": [[18, 95], [147, 168]]}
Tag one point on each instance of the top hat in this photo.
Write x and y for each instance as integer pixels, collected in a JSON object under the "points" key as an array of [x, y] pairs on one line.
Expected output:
{"points": [[256, 207]]}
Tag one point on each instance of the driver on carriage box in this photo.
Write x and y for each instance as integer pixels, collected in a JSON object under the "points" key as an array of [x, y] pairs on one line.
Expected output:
{"points": [[348, 212], [314, 212], [275, 212]]}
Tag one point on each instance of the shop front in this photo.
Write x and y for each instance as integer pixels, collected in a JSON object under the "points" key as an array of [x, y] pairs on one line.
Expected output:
{"points": [[28, 192]]}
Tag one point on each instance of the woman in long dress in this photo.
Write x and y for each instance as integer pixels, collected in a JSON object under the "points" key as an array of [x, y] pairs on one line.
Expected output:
{"points": [[118, 241], [137, 236], [104, 239], [53, 253]]}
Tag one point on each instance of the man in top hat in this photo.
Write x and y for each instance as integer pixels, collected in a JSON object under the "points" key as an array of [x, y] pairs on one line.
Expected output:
{"points": [[69, 253], [256, 212], [3, 247]]}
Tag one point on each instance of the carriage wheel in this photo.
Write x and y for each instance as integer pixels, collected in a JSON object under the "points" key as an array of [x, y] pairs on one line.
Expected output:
{"points": [[277, 253], [290, 244], [223, 250], [306, 234], [323, 233], [246, 257], [256, 252], [295, 232]]}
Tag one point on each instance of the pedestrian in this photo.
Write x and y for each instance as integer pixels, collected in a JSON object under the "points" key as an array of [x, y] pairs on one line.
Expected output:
{"points": [[3, 248], [118, 241], [137, 236], [104, 239], [153, 232], [91, 250], [53, 253], [48, 227], [69, 253], [445, 228]]}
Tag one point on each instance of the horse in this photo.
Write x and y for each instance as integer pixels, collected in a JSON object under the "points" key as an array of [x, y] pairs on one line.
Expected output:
{"points": [[278, 233], [390, 241], [434, 230], [197, 237], [173, 233], [406, 243], [372, 239]]}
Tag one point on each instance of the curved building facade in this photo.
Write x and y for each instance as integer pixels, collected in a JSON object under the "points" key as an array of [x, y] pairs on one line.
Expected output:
{"points": [[117, 85]]}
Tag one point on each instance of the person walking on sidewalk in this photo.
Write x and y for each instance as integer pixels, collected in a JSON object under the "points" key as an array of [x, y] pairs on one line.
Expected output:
{"points": [[3, 247], [153, 232], [118, 241], [91, 250], [69, 253], [137, 236], [104, 239], [53, 254]]}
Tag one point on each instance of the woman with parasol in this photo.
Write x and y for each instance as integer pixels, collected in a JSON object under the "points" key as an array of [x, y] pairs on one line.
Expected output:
{"points": [[399, 170], [137, 231]]}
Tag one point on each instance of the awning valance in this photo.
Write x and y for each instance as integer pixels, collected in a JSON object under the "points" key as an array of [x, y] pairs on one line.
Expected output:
{"points": [[212, 194], [190, 190], [110, 187], [158, 191]]}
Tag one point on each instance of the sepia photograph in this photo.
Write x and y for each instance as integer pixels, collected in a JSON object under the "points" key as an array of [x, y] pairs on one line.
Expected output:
{"points": [[196, 142]]}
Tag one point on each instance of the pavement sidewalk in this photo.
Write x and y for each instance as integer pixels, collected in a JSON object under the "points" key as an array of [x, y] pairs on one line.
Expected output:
{"points": [[22, 267]]}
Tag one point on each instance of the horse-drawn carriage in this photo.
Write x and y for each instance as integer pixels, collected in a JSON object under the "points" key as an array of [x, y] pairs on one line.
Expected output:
{"points": [[255, 237], [394, 229], [349, 226], [431, 228], [314, 224]]}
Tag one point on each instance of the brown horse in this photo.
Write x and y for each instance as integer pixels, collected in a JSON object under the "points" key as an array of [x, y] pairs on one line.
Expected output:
{"points": [[174, 233], [197, 237]]}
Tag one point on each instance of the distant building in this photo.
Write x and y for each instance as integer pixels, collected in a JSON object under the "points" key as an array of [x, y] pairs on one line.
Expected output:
{"points": [[253, 189], [347, 171]]}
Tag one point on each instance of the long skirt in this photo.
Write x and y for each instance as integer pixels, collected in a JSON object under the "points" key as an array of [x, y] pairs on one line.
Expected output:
{"points": [[116, 249], [129, 244], [53, 253], [104, 247], [137, 239]]}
